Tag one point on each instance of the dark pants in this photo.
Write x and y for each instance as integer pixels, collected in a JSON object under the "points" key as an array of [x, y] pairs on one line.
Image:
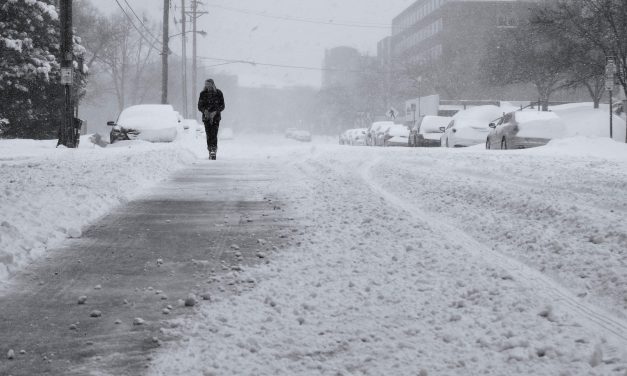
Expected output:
{"points": [[211, 128]]}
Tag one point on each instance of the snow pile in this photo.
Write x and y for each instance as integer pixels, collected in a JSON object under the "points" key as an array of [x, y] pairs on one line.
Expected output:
{"points": [[49, 194], [582, 119], [374, 285], [586, 147]]}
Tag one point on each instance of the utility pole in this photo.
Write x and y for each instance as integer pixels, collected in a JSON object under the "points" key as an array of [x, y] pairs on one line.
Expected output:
{"points": [[184, 57], [165, 51], [67, 131], [195, 16]]}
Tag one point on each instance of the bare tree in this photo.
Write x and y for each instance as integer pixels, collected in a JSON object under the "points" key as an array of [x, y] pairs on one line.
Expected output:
{"points": [[599, 24], [129, 58]]}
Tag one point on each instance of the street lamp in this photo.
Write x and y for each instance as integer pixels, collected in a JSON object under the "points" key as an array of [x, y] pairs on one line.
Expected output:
{"points": [[201, 32]]}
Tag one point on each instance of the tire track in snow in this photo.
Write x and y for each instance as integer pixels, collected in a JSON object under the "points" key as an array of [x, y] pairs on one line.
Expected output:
{"points": [[596, 318]]}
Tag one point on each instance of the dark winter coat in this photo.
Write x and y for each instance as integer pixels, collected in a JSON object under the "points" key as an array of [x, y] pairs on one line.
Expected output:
{"points": [[212, 101]]}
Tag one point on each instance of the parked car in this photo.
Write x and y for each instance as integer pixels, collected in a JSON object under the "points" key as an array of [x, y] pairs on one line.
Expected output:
{"points": [[375, 132], [193, 125], [396, 135], [357, 136], [414, 127], [147, 122], [430, 131], [524, 129], [289, 132], [471, 127], [343, 139], [301, 135]]}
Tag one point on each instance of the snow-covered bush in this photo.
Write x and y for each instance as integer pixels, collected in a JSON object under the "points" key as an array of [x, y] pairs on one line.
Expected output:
{"points": [[30, 69]]}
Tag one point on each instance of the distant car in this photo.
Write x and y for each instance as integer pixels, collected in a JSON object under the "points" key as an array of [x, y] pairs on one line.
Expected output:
{"points": [[226, 134], [289, 132], [396, 135], [343, 139], [301, 135], [357, 136], [375, 132], [413, 126], [147, 122], [524, 129], [430, 131], [470, 127]]}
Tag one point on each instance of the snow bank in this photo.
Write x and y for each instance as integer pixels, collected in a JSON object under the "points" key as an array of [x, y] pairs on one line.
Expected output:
{"points": [[586, 147], [582, 119], [48, 194]]}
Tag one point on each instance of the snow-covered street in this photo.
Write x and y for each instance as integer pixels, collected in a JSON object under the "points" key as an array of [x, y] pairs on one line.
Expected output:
{"points": [[431, 261], [396, 261]]}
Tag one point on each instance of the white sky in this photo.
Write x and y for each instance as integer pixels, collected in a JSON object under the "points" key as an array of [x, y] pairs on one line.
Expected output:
{"points": [[234, 35]]}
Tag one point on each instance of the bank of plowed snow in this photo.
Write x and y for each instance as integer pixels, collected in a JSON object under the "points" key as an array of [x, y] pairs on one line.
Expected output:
{"points": [[429, 262], [49, 194]]}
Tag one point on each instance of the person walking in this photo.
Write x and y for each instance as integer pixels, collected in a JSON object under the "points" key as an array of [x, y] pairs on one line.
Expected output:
{"points": [[211, 104]]}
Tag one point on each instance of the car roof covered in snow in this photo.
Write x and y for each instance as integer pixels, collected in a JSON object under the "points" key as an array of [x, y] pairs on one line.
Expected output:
{"points": [[432, 124], [480, 115], [149, 116]]}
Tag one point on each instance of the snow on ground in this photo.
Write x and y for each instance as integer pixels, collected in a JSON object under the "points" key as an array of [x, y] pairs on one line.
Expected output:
{"points": [[430, 262], [48, 194]]}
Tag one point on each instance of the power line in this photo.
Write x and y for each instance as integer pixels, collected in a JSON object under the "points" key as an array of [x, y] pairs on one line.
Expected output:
{"points": [[298, 19], [130, 20], [142, 23], [255, 63]]}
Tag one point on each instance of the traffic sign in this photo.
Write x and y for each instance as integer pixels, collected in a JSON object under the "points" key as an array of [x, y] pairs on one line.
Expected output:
{"points": [[67, 76]]}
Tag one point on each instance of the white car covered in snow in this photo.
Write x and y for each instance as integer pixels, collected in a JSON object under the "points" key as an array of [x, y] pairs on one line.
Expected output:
{"points": [[374, 135], [430, 131], [525, 129], [147, 122], [472, 126], [396, 135]]}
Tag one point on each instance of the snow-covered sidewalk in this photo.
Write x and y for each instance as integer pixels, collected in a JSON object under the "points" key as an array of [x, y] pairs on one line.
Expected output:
{"points": [[49, 194], [409, 264]]}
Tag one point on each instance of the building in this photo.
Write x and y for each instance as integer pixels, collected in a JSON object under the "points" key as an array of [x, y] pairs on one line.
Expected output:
{"points": [[341, 66], [431, 29], [444, 41]]}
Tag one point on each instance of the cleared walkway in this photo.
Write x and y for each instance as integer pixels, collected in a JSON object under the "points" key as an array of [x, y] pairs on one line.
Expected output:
{"points": [[147, 255]]}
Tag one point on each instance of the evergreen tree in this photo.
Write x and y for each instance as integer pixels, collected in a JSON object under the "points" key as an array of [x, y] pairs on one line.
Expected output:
{"points": [[30, 70]]}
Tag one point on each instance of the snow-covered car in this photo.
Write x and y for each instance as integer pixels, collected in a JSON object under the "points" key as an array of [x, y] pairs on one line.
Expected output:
{"points": [[343, 139], [147, 122], [357, 136], [525, 129], [374, 135], [301, 135], [289, 132], [375, 130], [192, 125], [396, 135], [414, 127], [226, 134], [471, 127], [430, 131]]}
